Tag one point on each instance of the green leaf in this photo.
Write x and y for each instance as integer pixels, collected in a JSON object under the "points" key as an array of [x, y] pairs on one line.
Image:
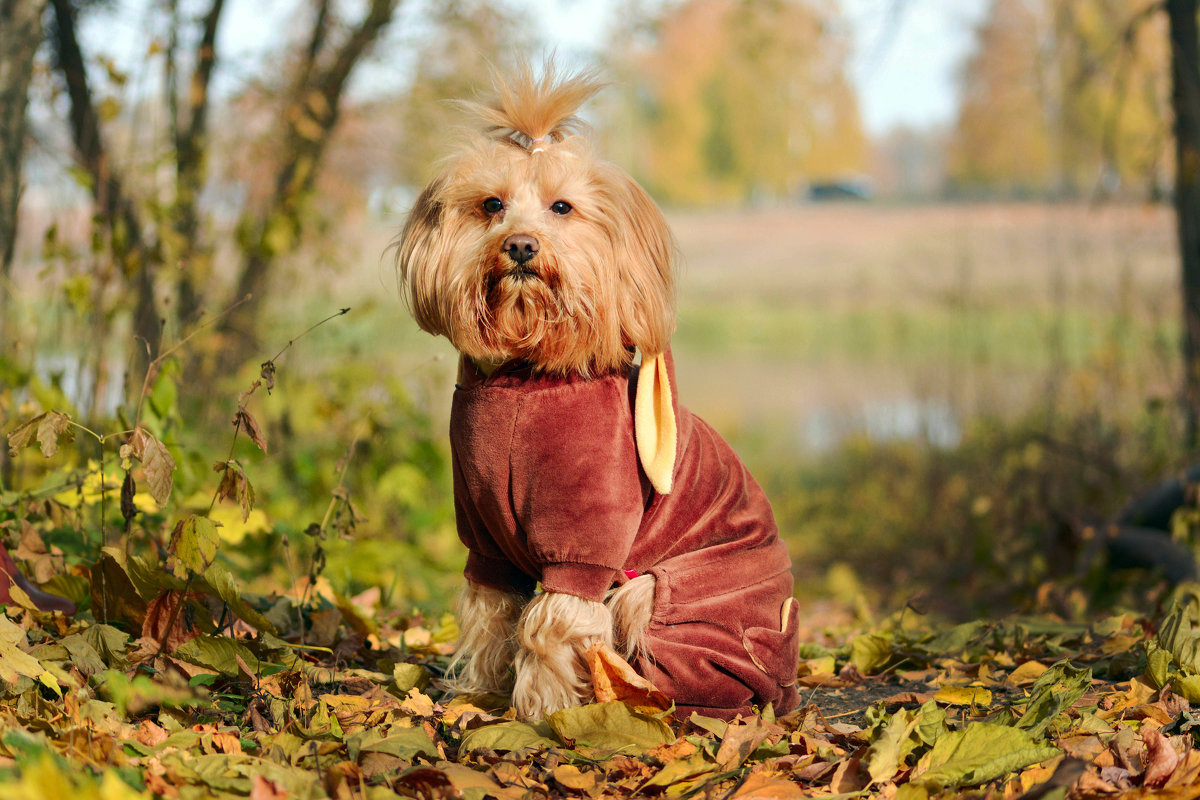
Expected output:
{"points": [[409, 676], [504, 737], [216, 652], [1188, 686], [870, 652], [1055, 691], [1177, 636], [610, 726], [194, 545], [226, 588], [404, 743], [979, 754], [1158, 666], [887, 755]]}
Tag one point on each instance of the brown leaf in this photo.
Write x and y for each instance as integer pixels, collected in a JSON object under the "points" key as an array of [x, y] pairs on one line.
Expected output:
{"points": [[1161, 758], [162, 613], [150, 734], [740, 741], [761, 786], [235, 486], [47, 428], [850, 776], [20, 436], [614, 679], [246, 421], [266, 789], [157, 463]]}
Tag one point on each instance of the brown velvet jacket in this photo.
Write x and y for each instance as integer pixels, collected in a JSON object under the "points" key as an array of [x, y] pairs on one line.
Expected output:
{"points": [[548, 488]]}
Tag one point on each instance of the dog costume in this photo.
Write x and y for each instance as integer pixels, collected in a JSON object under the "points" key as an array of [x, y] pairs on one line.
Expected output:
{"points": [[552, 485]]}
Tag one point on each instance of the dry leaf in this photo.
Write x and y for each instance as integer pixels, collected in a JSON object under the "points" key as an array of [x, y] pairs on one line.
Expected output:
{"points": [[162, 613], [157, 463], [614, 679], [246, 421], [1161, 758]]}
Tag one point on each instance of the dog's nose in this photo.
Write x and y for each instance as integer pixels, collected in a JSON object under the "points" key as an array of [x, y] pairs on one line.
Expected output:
{"points": [[520, 247]]}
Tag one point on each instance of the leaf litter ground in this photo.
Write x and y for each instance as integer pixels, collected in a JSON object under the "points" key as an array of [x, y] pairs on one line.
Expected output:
{"points": [[185, 688]]}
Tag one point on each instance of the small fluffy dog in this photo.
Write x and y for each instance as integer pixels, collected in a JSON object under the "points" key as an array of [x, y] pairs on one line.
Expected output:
{"points": [[547, 268]]}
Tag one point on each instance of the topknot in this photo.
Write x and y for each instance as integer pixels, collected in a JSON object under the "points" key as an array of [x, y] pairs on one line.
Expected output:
{"points": [[528, 110]]}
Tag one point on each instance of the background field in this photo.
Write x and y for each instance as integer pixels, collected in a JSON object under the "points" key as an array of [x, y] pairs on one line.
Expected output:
{"points": [[927, 391]]}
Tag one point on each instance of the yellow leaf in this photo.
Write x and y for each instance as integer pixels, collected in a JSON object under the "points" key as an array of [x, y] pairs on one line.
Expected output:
{"points": [[963, 696], [1027, 673]]}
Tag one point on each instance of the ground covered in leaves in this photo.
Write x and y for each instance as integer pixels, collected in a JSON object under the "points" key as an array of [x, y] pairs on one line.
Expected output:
{"points": [[180, 686]]}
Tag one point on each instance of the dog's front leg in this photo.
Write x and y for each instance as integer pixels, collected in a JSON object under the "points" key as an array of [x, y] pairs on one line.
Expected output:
{"points": [[487, 624], [553, 635]]}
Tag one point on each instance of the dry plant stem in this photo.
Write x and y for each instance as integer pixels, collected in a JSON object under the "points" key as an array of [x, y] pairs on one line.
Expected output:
{"points": [[153, 367], [341, 480], [307, 331]]}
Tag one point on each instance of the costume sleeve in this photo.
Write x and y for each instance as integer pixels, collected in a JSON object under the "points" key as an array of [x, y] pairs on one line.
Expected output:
{"points": [[576, 486], [486, 562]]}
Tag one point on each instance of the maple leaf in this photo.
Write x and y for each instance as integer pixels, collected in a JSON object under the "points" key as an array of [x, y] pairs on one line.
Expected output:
{"points": [[246, 421], [235, 486], [157, 462], [194, 545], [46, 429]]}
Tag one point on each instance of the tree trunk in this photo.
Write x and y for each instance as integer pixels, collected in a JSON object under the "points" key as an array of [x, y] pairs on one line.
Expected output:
{"points": [[135, 258], [20, 33], [1185, 102], [310, 120]]}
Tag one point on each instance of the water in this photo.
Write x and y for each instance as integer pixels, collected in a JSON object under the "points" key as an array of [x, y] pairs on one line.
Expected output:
{"points": [[895, 419]]}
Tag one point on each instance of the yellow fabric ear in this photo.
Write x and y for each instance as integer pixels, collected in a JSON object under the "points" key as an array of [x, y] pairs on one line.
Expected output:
{"points": [[654, 423]]}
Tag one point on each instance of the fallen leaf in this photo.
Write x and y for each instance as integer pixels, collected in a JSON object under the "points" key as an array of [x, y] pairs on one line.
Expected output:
{"points": [[609, 726], [761, 786], [1161, 758], [614, 679]]}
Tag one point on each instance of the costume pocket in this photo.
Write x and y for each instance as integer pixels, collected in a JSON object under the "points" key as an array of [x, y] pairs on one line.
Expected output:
{"points": [[777, 652]]}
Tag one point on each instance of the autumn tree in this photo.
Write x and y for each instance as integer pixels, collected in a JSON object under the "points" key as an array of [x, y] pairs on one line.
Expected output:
{"points": [[742, 99], [20, 32], [160, 238], [1064, 98]]}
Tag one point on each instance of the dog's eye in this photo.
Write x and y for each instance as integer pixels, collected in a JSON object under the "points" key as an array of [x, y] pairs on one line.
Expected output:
{"points": [[561, 207], [492, 205]]}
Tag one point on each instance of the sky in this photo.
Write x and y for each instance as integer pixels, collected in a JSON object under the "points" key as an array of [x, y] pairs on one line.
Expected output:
{"points": [[906, 53]]}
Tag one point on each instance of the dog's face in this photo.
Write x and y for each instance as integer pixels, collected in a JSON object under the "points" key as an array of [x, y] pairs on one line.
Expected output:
{"points": [[527, 246]]}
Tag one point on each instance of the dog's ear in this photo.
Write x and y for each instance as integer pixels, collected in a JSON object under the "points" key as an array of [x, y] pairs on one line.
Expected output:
{"points": [[644, 256], [421, 251]]}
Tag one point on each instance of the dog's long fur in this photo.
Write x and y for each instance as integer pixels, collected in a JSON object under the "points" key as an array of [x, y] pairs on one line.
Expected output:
{"points": [[602, 283]]}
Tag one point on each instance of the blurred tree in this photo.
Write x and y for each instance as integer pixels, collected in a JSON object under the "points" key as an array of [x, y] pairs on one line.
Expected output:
{"points": [[743, 99], [1062, 98], [20, 32], [467, 39], [149, 231], [1003, 138]]}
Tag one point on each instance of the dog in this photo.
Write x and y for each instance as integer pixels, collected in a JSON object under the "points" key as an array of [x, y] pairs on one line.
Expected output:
{"points": [[549, 270]]}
